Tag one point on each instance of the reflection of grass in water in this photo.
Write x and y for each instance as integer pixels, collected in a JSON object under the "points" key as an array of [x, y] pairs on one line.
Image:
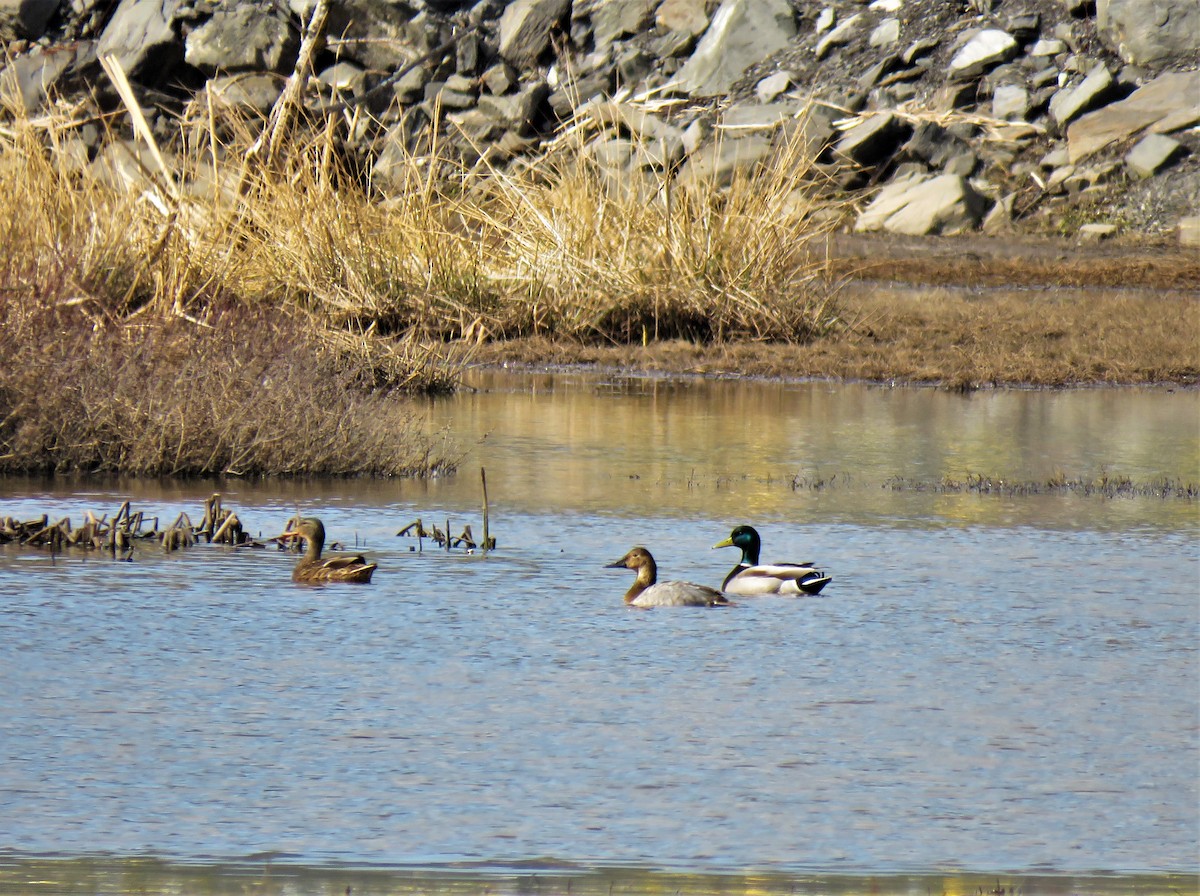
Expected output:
{"points": [[1104, 485]]}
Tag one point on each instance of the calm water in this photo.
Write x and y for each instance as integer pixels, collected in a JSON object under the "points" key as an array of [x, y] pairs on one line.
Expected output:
{"points": [[989, 685]]}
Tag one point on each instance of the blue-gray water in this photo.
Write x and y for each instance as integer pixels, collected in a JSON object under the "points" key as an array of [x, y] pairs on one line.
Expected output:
{"points": [[989, 684]]}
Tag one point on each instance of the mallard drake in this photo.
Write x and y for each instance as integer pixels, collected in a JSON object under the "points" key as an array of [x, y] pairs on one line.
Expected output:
{"points": [[751, 577], [647, 591], [312, 568]]}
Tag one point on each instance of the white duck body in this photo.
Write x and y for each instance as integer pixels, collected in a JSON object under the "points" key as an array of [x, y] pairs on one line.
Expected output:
{"points": [[750, 577]]}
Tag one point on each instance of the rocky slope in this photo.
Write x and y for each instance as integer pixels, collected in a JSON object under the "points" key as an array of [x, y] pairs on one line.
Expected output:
{"points": [[917, 117]]}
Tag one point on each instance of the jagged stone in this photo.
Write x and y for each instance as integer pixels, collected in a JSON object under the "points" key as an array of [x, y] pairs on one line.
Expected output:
{"points": [[254, 91], [614, 19], [33, 74], [1144, 31], [925, 206], [499, 79], [839, 36], [25, 18], [719, 163], [242, 38], [1067, 105], [641, 125], [1097, 232], [1188, 231], [1010, 101], [688, 17], [518, 112], [525, 29], [1047, 47], [886, 33], [872, 139], [986, 49], [746, 117], [826, 19], [1151, 154], [376, 35], [125, 165], [1167, 95], [742, 33], [142, 37], [343, 79], [771, 86]]}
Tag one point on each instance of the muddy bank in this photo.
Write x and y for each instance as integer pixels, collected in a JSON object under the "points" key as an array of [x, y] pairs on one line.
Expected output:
{"points": [[959, 313]]}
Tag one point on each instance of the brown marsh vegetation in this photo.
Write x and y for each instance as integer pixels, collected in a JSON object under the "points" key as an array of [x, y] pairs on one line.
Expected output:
{"points": [[253, 306]]}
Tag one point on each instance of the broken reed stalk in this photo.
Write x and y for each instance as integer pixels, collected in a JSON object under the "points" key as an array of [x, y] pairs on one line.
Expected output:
{"points": [[483, 480]]}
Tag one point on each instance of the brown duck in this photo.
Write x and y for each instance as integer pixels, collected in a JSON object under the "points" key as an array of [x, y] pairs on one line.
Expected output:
{"points": [[312, 568]]}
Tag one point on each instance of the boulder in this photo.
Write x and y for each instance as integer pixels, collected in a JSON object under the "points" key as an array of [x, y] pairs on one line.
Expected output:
{"points": [[33, 74], [986, 49], [615, 19], [685, 16], [1168, 95], [143, 37], [1152, 154], [872, 139], [525, 29], [1150, 31], [719, 163], [839, 36], [242, 38], [254, 91], [25, 18], [921, 206], [742, 33], [378, 35], [1068, 104]]}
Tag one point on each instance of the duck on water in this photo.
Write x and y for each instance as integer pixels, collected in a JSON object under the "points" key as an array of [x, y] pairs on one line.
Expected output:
{"points": [[750, 577], [314, 568], [647, 591]]}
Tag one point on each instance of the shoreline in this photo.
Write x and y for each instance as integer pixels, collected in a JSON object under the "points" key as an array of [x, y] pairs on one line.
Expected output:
{"points": [[961, 313]]}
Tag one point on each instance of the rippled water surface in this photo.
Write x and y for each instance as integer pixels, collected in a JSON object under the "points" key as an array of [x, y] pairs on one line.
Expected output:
{"points": [[990, 684]]}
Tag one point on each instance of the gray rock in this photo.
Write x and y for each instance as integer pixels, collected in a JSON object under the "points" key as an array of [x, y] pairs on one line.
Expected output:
{"points": [[525, 29], [1067, 105], [343, 79], [142, 36], [242, 38], [873, 139], [1145, 31], [1048, 47], [614, 19], [645, 127], [25, 18], [746, 117], [376, 34], [886, 33], [1165, 96], [1097, 232], [839, 36], [771, 86], [499, 79], [1189, 231], [717, 164], [925, 206], [742, 33], [684, 16], [1010, 101], [31, 75], [986, 49], [1151, 155], [126, 165], [254, 91], [517, 112], [826, 19]]}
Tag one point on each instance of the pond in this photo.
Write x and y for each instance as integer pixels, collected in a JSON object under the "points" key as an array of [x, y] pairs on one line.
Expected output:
{"points": [[997, 688]]}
